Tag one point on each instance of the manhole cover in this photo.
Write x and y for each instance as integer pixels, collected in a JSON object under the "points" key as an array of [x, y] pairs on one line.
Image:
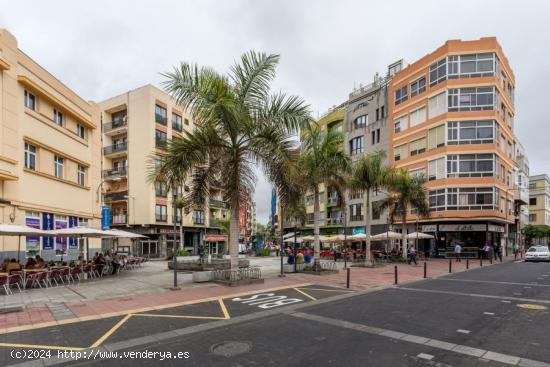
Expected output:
{"points": [[229, 349], [531, 306]]}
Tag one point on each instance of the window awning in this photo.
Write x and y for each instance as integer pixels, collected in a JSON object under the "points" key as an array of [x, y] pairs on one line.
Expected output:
{"points": [[215, 238]]}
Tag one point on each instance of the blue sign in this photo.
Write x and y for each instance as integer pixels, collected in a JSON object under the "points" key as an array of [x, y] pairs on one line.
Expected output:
{"points": [[358, 230], [47, 224], [273, 210], [73, 242], [105, 217]]}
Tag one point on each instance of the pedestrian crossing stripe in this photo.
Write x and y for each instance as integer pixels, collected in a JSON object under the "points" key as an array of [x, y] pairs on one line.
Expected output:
{"points": [[531, 306]]}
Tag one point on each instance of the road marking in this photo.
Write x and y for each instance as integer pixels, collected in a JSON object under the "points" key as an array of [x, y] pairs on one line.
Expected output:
{"points": [[327, 290], [505, 301], [530, 306], [517, 294], [36, 346], [462, 331], [425, 356], [224, 309], [489, 313], [475, 295], [439, 344], [110, 332], [179, 316], [493, 282], [527, 287], [305, 294]]}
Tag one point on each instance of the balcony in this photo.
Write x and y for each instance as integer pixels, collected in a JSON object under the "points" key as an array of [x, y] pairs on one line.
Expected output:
{"points": [[214, 222], [119, 219], [116, 150], [332, 201], [115, 172], [521, 196], [335, 221], [116, 196], [218, 204], [355, 218], [114, 127]]}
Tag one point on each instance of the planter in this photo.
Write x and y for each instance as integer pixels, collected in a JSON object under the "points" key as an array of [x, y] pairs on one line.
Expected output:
{"points": [[289, 268], [187, 258], [202, 276]]}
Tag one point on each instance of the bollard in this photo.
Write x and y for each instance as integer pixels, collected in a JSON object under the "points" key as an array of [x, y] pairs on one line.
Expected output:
{"points": [[425, 269], [395, 273], [450, 266], [491, 260], [348, 276], [480, 261], [467, 264]]}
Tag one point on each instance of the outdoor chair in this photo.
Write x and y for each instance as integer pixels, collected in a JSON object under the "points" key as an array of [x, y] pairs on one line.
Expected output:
{"points": [[34, 279], [4, 283], [65, 275], [57, 277], [88, 269], [51, 278], [75, 273]]}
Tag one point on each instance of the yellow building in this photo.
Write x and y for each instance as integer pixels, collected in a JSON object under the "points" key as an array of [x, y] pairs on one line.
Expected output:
{"points": [[137, 125], [50, 155], [539, 200]]}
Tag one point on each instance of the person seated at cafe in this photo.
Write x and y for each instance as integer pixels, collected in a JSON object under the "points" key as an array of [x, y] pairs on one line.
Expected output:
{"points": [[40, 263], [115, 263], [95, 257], [13, 266], [31, 263], [5, 264]]}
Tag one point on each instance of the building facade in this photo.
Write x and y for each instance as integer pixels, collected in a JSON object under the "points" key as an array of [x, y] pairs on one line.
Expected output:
{"points": [[453, 123], [539, 200], [137, 126], [50, 157]]}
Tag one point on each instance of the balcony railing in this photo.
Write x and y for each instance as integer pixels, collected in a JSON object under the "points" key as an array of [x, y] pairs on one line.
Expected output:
{"points": [[214, 222], [218, 204], [116, 148], [115, 172], [355, 218], [114, 125], [119, 219], [332, 200], [335, 221], [116, 196]]}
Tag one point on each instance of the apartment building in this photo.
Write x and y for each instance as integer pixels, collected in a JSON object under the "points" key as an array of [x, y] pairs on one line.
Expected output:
{"points": [[50, 157], [539, 200], [136, 127], [247, 218], [453, 122]]}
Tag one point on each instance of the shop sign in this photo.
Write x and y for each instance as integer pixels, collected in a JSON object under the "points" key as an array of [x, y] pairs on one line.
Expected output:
{"points": [[461, 227], [358, 230], [47, 224], [73, 242], [168, 230], [429, 228], [495, 228]]}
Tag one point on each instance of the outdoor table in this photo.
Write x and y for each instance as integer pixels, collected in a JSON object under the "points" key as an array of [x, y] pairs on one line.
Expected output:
{"points": [[3, 274]]}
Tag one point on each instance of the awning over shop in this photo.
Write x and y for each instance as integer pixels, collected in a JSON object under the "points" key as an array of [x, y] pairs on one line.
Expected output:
{"points": [[215, 238]]}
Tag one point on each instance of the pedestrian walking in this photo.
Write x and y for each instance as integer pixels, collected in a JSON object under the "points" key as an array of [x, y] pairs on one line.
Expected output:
{"points": [[458, 250], [412, 255], [499, 252], [516, 251], [485, 251], [277, 250]]}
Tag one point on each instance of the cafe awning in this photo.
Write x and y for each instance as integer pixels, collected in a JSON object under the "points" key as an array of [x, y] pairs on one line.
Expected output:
{"points": [[215, 238]]}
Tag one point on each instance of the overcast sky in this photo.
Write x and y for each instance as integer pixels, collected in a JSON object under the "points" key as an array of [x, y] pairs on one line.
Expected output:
{"points": [[103, 48]]}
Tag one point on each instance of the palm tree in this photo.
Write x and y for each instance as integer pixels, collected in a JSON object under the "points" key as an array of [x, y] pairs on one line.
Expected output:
{"points": [[370, 175], [406, 192], [322, 161], [240, 124]]}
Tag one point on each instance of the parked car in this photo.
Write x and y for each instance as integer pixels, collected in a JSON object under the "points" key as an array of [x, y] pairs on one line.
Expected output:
{"points": [[537, 253]]}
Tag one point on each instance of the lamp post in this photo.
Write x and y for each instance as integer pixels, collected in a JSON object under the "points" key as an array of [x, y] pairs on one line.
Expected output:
{"points": [[345, 238]]}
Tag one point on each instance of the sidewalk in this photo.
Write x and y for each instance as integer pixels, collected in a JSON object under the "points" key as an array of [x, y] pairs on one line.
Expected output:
{"points": [[75, 309]]}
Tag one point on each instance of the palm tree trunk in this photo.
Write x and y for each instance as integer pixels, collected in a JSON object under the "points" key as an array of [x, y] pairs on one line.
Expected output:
{"points": [[368, 217], [316, 245], [234, 237], [404, 237]]}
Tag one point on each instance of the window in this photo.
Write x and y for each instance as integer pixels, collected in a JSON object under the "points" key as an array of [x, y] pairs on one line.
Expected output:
{"points": [[161, 213], [176, 122], [378, 135], [418, 173], [356, 145], [198, 217], [373, 136], [472, 99], [532, 185], [418, 116], [57, 117], [464, 198], [438, 72], [533, 201], [355, 212], [160, 114], [472, 132], [436, 169], [361, 121], [437, 105], [382, 112], [58, 166], [30, 100], [418, 86], [417, 146], [161, 189], [81, 175], [81, 131], [400, 124], [436, 137], [401, 95], [377, 114], [436, 200], [186, 121], [471, 165], [30, 156], [400, 152], [532, 217], [470, 66], [160, 139]]}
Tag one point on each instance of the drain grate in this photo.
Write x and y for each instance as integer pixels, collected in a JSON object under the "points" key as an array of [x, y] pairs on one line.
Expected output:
{"points": [[231, 348]]}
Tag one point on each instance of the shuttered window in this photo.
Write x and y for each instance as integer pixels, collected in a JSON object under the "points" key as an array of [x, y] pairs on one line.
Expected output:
{"points": [[400, 152], [401, 124], [437, 105], [436, 169], [436, 137], [417, 146], [418, 116]]}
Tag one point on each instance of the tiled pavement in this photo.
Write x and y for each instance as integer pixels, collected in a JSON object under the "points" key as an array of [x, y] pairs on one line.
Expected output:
{"points": [[146, 288]]}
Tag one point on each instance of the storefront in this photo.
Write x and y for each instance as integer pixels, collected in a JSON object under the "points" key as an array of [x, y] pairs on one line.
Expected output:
{"points": [[215, 244], [471, 236]]}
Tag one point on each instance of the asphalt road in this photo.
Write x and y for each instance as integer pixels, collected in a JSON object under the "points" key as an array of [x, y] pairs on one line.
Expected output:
{"points": [[493, 316]]}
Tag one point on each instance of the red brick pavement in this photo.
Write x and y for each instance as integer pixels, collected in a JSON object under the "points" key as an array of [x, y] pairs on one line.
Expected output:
{"points": [[361, 278]]}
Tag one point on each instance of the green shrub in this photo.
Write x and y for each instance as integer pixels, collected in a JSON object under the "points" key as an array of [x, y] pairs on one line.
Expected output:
{"points": [[264, 252], [182, 252]]}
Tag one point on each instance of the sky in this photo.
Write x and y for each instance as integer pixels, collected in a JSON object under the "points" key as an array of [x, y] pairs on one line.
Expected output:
{"points": [[103, 48]]}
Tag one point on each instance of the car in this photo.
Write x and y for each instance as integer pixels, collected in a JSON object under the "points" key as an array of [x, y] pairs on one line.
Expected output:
{"points": [[537, 253]]}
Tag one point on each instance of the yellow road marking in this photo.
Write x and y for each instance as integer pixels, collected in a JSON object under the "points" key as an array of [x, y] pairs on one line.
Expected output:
{"points": [[179, 316], [305, 294], [328, 290], [224, 309], [99, 341], [36, 346], [531, 306]]}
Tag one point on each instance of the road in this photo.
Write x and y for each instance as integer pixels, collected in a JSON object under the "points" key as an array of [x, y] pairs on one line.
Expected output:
{"points": [[492, 316]]}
